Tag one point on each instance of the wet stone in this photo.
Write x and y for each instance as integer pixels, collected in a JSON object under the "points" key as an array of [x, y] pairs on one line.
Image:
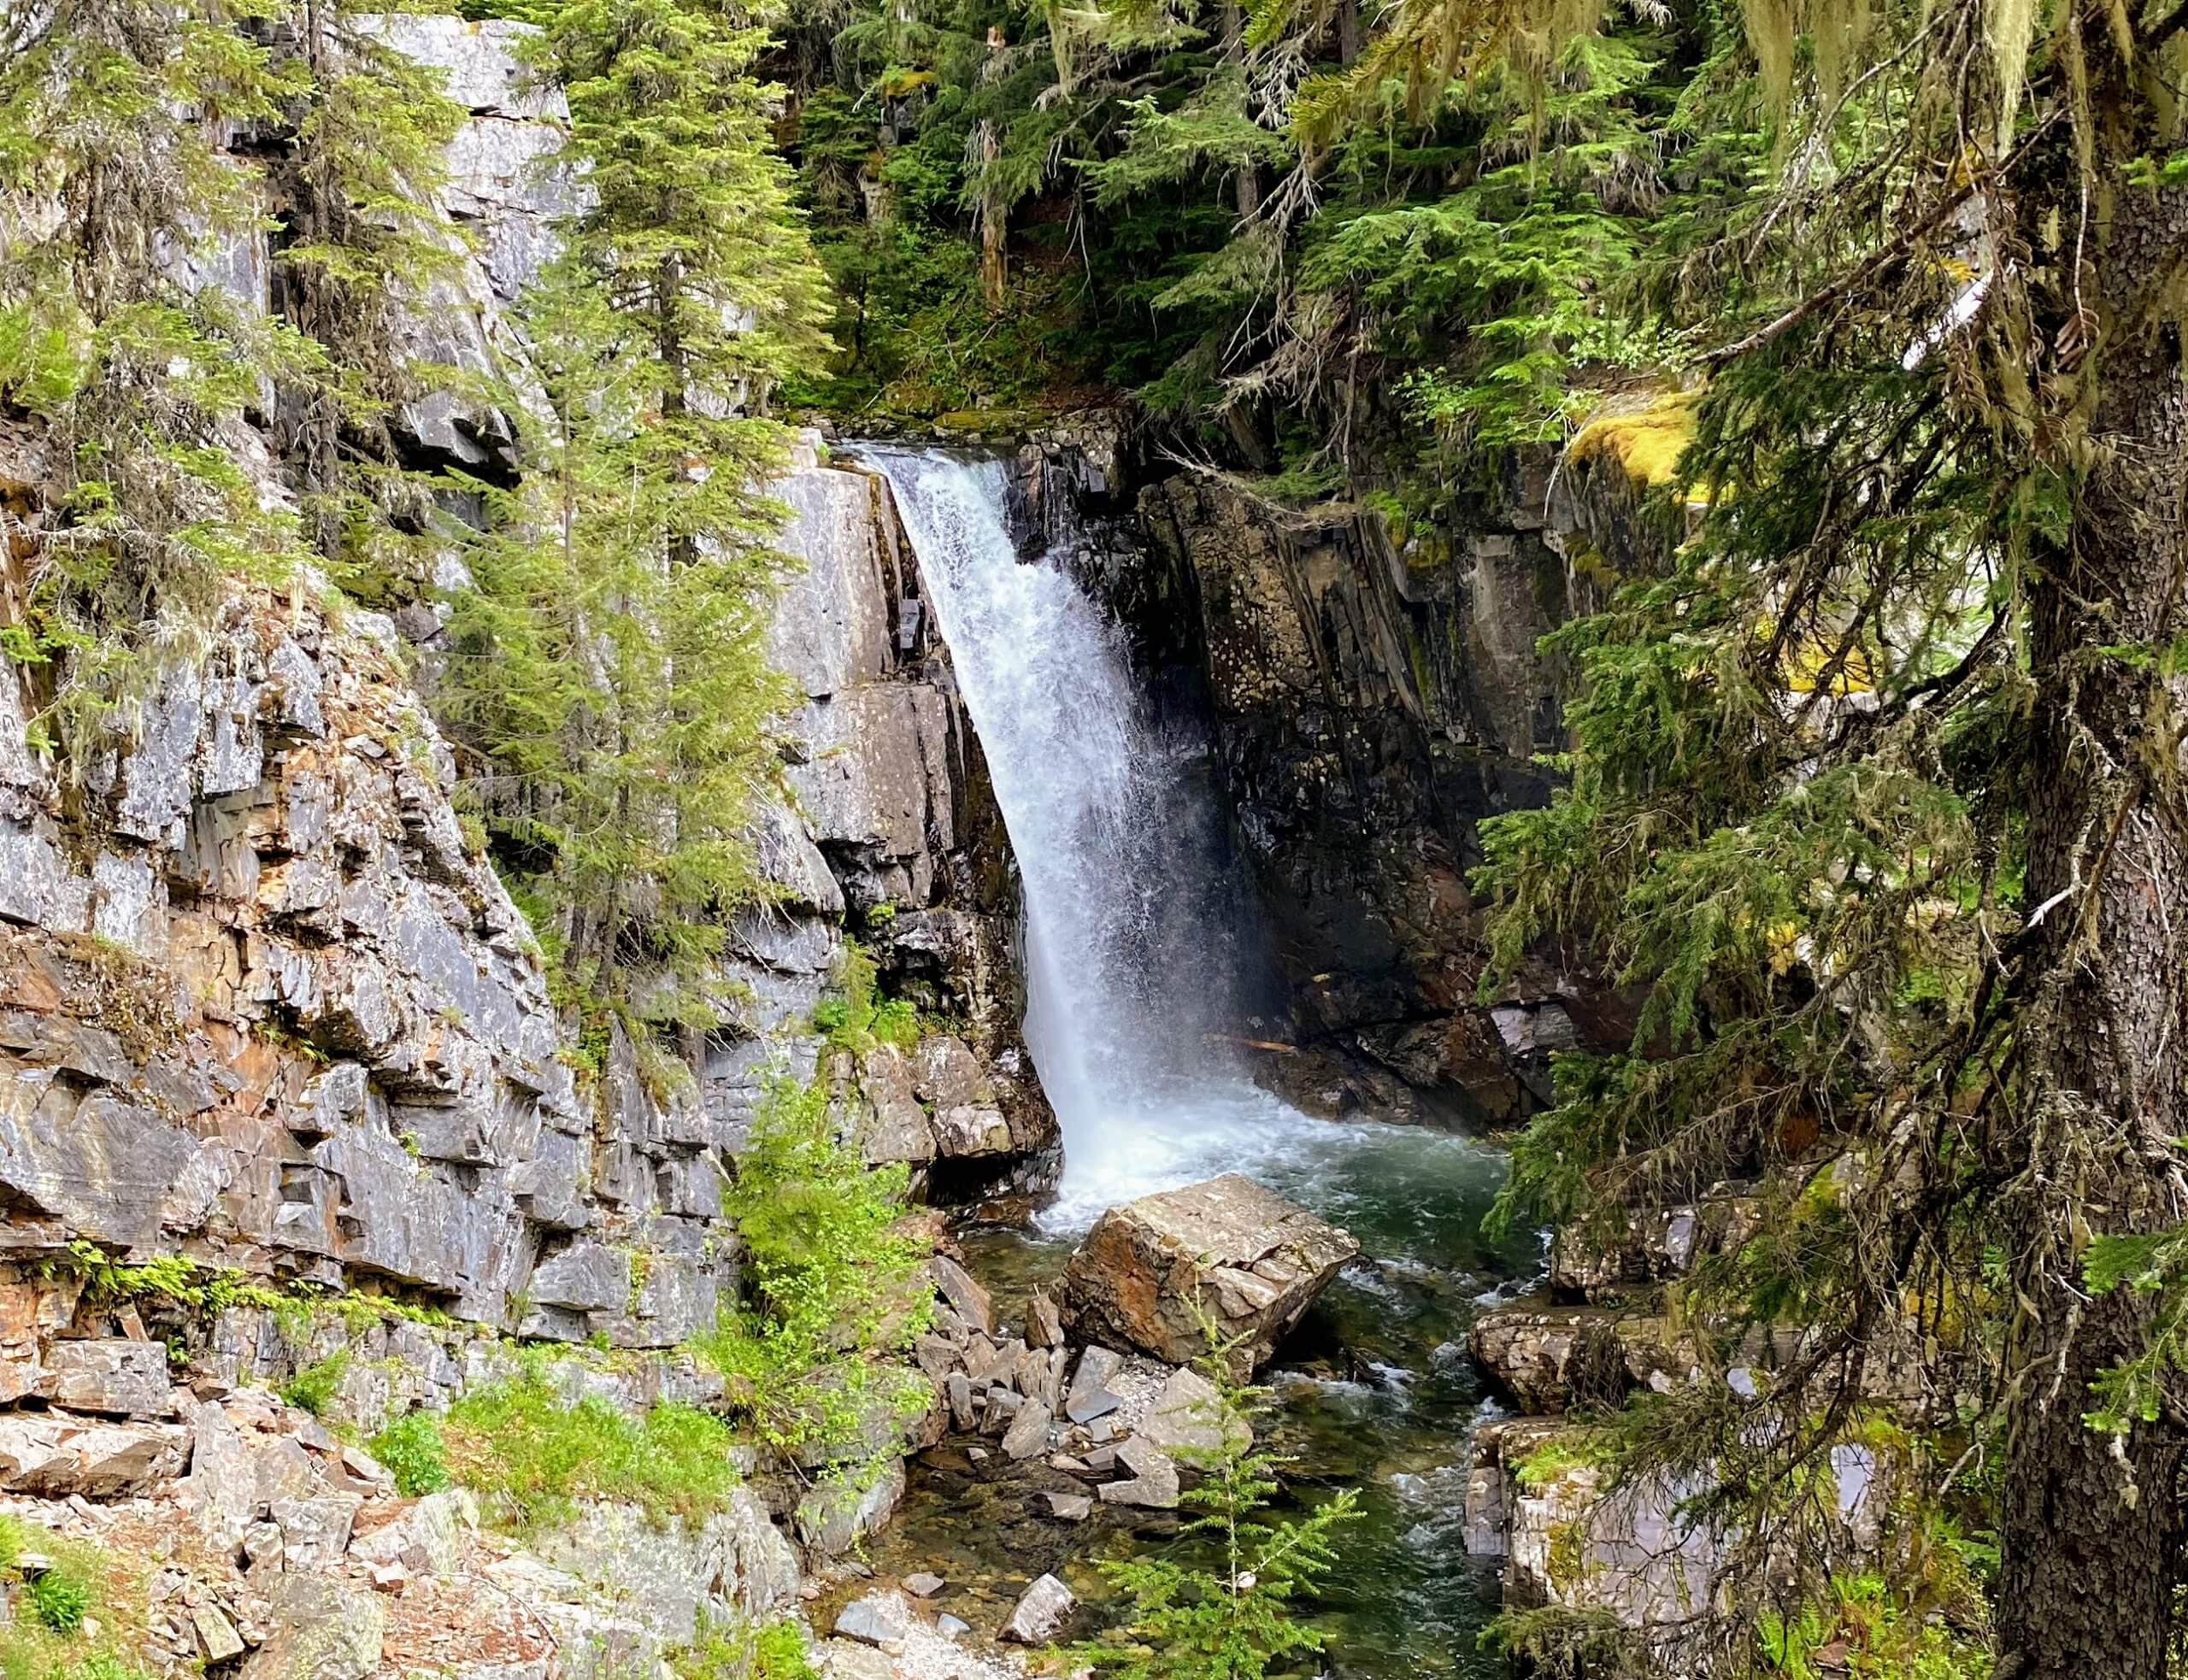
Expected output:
{"points": [[875, 1619], [958, 1389], [1043, 1609], [1154, 1480]]}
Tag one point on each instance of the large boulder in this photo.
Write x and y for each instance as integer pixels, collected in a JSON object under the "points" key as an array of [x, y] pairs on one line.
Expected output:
{"points": [[1229, 1249]]}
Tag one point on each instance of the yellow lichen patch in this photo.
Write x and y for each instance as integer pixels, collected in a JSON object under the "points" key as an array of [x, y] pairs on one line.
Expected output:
{"points": [[1646, 438], [1806, 660]]}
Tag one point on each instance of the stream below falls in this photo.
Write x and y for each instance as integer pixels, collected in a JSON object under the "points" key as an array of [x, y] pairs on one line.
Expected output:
{"points": [[1137, 934]]}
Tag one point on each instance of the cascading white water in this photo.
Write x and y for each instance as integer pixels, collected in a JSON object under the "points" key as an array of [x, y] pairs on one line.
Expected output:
{"points": [[1130, 945], [1131, 962]]}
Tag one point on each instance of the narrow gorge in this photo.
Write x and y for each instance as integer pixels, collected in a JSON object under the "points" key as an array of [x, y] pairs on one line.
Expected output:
{"points": [[917, 840]]}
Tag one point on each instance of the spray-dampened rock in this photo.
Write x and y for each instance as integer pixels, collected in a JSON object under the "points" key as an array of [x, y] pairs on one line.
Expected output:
{"points": [[1230, 1250]]}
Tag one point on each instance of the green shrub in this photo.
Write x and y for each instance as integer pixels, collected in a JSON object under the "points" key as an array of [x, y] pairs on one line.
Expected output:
{"points": [[858, 1017], [413, 1453], [16, 1539], [780, 1653], [313, 1386], [839, 1288], [531, 1455], [106, 1666], [774, 1650], [1577, 1450], [58, 1599], [102, 1666]]}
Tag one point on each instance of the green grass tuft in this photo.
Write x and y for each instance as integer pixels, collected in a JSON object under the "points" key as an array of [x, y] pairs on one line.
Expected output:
{"points": [[531, 1456]]}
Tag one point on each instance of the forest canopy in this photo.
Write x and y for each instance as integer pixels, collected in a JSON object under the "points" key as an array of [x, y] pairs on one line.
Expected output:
{"points": [[1871, 778]]}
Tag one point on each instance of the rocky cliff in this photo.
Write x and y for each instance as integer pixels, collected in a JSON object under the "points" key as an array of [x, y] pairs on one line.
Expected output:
{"points": [[276, 1043], [1369, 693], [271, 1008]]}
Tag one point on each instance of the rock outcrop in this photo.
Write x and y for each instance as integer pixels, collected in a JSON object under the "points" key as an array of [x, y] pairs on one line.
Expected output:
{"points": [[267, 1003], [887, 832], [1229, 1251], [1541, 1506], [1373, 693], [1639, 1551], [284, 1093]]}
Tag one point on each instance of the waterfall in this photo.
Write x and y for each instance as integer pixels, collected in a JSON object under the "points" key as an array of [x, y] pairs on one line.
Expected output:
{"points": [[1133, 959], [1131, 924]]}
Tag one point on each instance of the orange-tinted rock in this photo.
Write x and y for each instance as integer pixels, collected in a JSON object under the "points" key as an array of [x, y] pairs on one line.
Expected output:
{"points": [[1228, 1248]]}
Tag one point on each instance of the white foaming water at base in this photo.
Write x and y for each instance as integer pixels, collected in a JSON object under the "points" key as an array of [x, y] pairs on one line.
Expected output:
{"points": [[1129, 954]]}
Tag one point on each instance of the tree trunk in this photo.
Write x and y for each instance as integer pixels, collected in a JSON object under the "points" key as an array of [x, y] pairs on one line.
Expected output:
{"points": [[2092, 1527], [994, 289], [1246, 183], [1349, 38]]}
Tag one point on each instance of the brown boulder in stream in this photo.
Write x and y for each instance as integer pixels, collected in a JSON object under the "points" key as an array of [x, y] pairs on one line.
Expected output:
{"points": [[1252, 1261]]}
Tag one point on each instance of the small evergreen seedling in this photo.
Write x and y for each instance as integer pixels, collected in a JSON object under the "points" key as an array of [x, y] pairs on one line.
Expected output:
{"points": [[1187, 1622]]}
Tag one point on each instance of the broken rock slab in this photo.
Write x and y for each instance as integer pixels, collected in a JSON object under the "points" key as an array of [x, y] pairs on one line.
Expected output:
{"points": [[1090, 1396], [55, 1454], [1028, 1433], [108, 1374], [846, 1660], [1187, 1416], [970, 1301], [1154, 1479], [1229, 1247]]}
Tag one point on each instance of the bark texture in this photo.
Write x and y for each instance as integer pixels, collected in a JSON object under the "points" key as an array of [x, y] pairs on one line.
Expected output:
{"points": [[2092, 1526]]}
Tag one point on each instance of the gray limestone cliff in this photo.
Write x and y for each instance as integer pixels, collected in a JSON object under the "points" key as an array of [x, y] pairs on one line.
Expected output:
{"points": [[267, 1006]]}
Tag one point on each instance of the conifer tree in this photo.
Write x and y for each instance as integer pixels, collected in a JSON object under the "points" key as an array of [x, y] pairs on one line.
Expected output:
{"points": [[362, 247], [1876, 786], [609, 667], [1183, 1620], [116, 120], [112, 191]]}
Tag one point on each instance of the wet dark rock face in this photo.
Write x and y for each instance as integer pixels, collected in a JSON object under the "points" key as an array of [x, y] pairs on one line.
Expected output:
{"points": [[1363, 703]]}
